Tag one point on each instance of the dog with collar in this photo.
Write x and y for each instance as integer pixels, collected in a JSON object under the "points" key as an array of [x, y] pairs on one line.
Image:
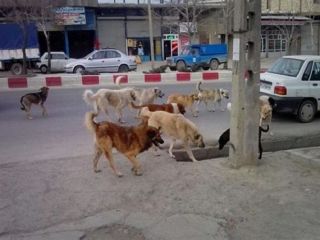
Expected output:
{"points": [[34, 98]]}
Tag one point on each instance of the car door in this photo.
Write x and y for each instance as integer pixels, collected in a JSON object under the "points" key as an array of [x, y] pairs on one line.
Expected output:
{"points": [[314, 83], [96, 62], [55, 62], [113, 60]]}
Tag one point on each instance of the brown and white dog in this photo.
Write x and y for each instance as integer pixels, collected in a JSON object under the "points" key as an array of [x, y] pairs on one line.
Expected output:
{"points": [[130, 141], [186, 100], [211, 95], [34, 98], [177, 127], [170, 107], [266, 105]]}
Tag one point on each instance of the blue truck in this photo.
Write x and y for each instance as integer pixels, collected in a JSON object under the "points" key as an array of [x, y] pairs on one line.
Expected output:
{"points": [[11, 42], [204, 55]]}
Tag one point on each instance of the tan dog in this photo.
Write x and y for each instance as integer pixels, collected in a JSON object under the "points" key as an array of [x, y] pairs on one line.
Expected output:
{"points": [[170, 107], [177, 127], [186, 100], [266, 106], [34, 98], [104, 98], [211, 95], [130, 141]]}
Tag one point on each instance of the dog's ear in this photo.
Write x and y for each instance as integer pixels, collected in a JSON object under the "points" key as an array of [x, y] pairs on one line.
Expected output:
{"points": [[152, 132]]}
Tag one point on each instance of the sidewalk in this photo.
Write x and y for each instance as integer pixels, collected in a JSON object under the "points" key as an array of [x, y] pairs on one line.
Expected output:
{"points": [[64, 199]]}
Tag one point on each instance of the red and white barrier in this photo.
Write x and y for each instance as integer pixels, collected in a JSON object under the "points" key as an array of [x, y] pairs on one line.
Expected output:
{"points": [[57, 81]]}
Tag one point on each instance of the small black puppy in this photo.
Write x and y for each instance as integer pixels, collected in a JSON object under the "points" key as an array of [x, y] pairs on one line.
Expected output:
{"points": [[225, 137]]}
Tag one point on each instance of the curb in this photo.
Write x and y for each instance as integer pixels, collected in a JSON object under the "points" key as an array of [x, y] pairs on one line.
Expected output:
{"points": [[60, 81], [269, 145]]}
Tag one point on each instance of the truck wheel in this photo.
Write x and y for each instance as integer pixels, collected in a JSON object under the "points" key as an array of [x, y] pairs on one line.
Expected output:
{"points": [[307, 111], [16, 69], [78, 69], [181, 66], [43, 69], [214, 64]]}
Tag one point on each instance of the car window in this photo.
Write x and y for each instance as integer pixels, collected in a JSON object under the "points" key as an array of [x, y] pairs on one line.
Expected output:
{"points": [[57, 56], [99, 55], [286, 66], [307, 72], [315, 76], [113, 54]]}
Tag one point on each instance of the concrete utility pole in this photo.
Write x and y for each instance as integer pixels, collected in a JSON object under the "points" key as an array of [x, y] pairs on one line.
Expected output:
{"points": [[245, 92], [151, 34]]}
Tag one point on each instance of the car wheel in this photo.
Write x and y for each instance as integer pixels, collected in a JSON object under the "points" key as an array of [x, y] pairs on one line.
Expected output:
{"points": [[181, 66], [16, 69], [123, 68], [214, 64], [43, 69], [78, 69], [307, 111]]}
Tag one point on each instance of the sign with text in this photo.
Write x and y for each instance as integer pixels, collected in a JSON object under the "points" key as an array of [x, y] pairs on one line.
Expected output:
{"points": [[70, 16]]}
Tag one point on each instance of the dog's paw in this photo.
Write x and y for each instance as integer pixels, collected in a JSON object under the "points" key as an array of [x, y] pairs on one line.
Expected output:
{"points": [[136, 171], [97, 170]]}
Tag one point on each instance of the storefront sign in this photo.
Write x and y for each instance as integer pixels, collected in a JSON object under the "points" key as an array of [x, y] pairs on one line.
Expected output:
{"points": [[70, 16]]}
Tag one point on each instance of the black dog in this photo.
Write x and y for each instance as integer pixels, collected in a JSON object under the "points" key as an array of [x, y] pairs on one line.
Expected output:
{"points": [[225, 137]]}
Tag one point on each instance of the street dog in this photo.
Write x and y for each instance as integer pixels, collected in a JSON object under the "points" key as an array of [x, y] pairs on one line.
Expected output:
{"points": [[143, 95], [266, 106], [104, 98], [130, 141], [161, 69], [34, 98], [170, 107], [211, 95], [186, 100], [177, 127], [225, 138]]}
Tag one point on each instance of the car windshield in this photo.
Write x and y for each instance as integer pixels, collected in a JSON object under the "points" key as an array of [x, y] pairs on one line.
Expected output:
{"points": [[286, 66], [185, 50]]}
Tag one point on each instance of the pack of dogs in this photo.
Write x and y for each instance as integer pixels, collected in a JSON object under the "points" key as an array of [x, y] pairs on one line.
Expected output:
{"points": [[156, 120]]}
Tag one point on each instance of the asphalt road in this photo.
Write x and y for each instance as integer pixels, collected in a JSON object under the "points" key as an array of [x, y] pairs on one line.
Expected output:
{"points": [[62, 134]]}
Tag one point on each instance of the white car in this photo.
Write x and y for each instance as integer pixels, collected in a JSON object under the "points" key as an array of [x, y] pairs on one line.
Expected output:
{"points": [[58, 62], [103, 60], [294, 83]]}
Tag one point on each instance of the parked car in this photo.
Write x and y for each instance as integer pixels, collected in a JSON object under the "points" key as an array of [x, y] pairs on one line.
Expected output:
{"points": [[103, 60], [58, 61], [294, 83], [204, 55]]}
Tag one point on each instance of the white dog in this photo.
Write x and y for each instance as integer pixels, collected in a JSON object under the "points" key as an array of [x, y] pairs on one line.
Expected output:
{"points": [[177, 127], [103, 98], [143, 96]]}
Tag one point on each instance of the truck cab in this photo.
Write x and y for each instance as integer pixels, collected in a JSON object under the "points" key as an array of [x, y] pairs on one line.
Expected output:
{"points": [[204, 55]]}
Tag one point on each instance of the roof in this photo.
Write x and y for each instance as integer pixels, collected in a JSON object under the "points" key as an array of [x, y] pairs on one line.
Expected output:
{"points": [[303, 57]]}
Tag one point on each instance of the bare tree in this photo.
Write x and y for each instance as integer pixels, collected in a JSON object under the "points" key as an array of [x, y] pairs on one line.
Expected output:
{"points": [[190, 14], [42, 14]]}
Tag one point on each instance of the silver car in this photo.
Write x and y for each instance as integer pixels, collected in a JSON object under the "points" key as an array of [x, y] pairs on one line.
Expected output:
{"points": [[103, 60], [58, 62]]}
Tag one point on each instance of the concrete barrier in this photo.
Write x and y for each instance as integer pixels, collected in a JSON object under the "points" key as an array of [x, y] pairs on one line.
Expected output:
{"points": [[76, 80]]}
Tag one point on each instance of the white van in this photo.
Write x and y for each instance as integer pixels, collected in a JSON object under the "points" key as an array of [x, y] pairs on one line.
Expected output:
{"points": [[294, 83]]}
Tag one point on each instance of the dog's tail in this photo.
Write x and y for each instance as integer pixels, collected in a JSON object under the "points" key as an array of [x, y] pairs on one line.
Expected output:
{"points": [[264, 130], [90, 124], [198, 86], [229, 106], [136, 106], [23, 107], [90, 99], [118, 80]]}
